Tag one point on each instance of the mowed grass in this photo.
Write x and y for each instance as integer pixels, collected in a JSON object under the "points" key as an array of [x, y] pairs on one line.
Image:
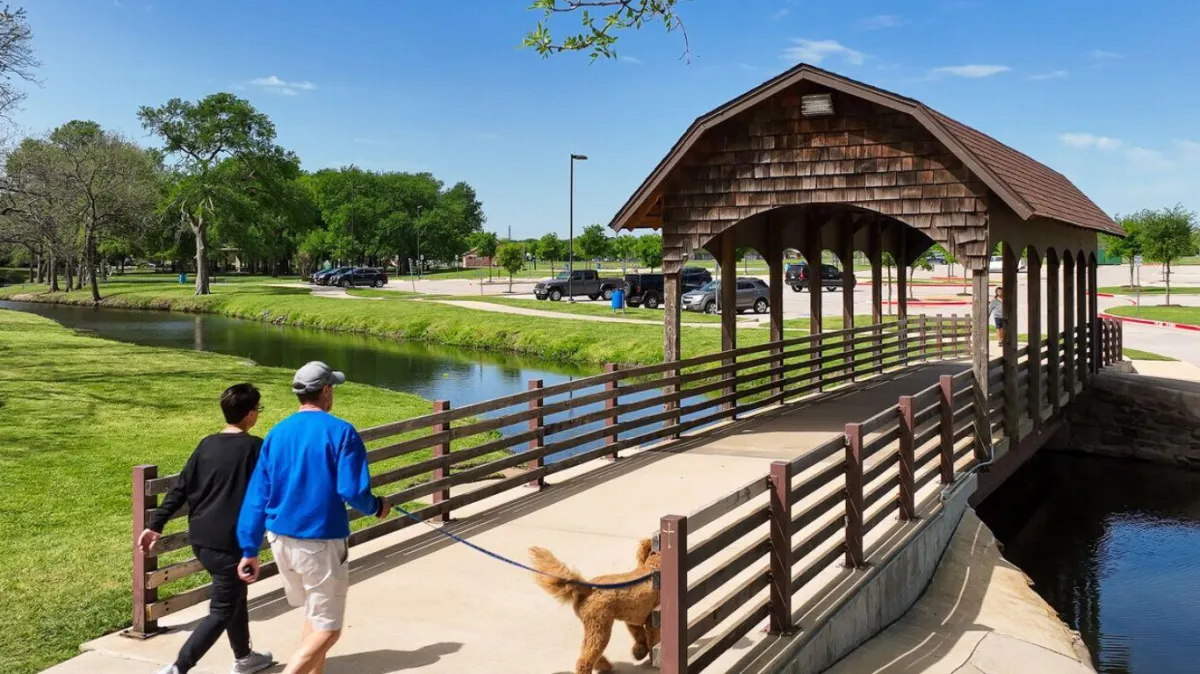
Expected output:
{"points": [[76, 413], [566, 340], [1138, 354], [1150, 290], [589, 308], [1188, 315]]}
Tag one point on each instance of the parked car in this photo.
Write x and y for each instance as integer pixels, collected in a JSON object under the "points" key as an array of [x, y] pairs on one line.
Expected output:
{"points": [[579, 282], [752, 293], [647, 289], [358, 276], [322, 277], [796, 276], [996, 264]]}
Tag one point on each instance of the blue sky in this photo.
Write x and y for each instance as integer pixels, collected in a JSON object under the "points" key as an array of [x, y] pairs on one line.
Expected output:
{"points": [[1105, 92]]}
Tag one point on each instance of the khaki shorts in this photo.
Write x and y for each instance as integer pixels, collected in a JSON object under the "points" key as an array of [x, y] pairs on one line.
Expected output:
{"points": [[316, 575]]}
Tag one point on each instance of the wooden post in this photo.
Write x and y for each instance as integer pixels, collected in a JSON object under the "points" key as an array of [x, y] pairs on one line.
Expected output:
{"points": [[875, 252], [671, 343], [815, 290], [854, 496], [908, 485], [143, 563], [727, 301], [611, 406], [535, 424], [1120, 328], [1082, 373], [1054, 357], [775, 272], [946, 409], [1012, 415], [1070, 335], [846, 253], [781, 548], [673, 649], [1033, 273], [941, 336], [980, 356], [902, 292], [1093, 319], [441, 450]]}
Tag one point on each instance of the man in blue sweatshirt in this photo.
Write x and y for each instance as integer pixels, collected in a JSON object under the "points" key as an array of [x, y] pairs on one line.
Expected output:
{"points": [[310, 464]]}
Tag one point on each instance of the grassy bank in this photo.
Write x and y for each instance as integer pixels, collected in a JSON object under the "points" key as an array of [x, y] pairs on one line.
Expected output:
{"points": [[1188, 315], [76, 413], [566, 340], [1150, 290]]}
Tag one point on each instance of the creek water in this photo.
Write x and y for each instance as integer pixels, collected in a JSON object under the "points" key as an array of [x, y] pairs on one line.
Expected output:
{"points": [[1114, 547]]}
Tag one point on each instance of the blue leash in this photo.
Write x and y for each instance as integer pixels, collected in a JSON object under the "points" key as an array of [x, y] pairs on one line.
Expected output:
{"points": [[580, 583]]}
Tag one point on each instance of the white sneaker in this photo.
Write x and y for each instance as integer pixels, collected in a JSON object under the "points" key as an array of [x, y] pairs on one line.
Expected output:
{"points": [[169, 669], [255, 662]]}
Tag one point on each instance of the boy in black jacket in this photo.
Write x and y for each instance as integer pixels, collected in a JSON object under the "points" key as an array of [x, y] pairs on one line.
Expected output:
{"points": [[213, 484]]}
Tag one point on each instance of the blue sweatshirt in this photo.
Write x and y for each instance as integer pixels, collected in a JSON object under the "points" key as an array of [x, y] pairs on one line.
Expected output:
{"points": [[309, 465]]}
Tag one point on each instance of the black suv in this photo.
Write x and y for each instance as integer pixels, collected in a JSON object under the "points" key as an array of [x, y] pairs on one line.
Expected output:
{"points": [[322, 277], [358, 276], [647, 289], [797, 277]]}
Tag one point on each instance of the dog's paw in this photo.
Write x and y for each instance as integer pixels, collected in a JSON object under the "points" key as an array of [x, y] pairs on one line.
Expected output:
{"points": [[640, 652]]}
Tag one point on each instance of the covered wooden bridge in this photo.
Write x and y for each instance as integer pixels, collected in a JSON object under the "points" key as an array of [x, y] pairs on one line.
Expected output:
{"points": [[801, 462]]}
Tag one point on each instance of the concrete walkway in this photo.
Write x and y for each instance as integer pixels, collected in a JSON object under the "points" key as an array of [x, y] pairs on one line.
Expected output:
{"points": [[419, 604], [978, 616]]}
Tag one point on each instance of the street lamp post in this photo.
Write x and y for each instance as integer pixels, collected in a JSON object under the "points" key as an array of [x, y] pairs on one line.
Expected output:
{"points": [[571, 231], [419, 260]]}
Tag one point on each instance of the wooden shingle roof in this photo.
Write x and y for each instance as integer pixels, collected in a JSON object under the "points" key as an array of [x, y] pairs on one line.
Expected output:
{"points": [[1028, 187]]}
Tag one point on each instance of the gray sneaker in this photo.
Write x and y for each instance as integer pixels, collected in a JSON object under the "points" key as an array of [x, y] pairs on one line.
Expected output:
{"points": [[169, 669], [255, 662]]}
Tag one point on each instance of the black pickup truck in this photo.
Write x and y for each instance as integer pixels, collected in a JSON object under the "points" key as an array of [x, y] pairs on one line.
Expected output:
{"points": [[579, 282], [797, 277], [647, 289]]}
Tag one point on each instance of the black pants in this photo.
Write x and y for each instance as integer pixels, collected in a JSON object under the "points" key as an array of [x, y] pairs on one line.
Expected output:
{"points": [[226, 609]]}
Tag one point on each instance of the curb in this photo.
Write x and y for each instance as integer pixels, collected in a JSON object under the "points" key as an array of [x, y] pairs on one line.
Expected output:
{"points": [[1158, 324]]}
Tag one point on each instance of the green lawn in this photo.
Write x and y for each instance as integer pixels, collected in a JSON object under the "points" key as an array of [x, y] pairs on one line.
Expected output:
{"points": [[76, 413], [589, 308], [1151, 290], [566, 340], [1138, 354], [1189, 315]]}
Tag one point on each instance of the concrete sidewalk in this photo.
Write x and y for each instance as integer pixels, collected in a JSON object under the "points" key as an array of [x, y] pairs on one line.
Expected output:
{"points": [[421, 604]]}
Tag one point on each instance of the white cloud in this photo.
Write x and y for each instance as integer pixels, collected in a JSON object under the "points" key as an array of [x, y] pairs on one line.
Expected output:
{"points": [[969, 70], [1052, 75], [1083, 141], [1153, 160], [275, 85], [630, 59], [881, 21], [1102, 55], [1189, 149], [816, 51], [780, 14]]}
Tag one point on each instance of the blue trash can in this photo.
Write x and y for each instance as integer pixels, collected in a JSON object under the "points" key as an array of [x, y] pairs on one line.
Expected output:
{"points": [[183, 278]]}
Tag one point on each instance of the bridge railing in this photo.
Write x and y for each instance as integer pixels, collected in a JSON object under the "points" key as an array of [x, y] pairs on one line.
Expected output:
{"points": [[453, 458], [751, 555]]}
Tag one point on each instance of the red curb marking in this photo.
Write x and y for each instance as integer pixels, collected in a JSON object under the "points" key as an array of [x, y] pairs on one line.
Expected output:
{"points": [[1158, 324]]}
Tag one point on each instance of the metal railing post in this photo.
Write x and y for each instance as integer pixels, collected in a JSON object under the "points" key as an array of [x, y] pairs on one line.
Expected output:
{"points": [[672, 549], [143, 563], [854, 496], [440, 450], [610, 405], [946, 408], [536, 424], [781, 548]]}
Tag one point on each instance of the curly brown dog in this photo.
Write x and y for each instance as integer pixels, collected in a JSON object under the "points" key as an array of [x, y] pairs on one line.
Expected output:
{"points": [[598, 609]]}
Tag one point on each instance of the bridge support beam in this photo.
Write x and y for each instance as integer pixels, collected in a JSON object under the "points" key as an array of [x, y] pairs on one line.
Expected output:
{"points": [[1054, 357], [901, 257], [727, 301], [1081, 321], [1070, 335], [846, 254], [774, 255], [1033, 280], [979, 360], [671, 343], [1093, 318], [1012, 411], [812, 254], [875, 253]]}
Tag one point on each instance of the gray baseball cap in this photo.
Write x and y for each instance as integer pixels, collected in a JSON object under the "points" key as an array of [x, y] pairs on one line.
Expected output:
{"points": [[315, 376]]}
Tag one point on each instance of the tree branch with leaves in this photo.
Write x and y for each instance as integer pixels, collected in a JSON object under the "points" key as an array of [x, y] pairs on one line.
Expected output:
{"points": [[602, 21]]}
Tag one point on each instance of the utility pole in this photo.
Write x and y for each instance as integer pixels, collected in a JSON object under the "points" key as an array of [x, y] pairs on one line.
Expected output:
{"points": [[571, 231]]}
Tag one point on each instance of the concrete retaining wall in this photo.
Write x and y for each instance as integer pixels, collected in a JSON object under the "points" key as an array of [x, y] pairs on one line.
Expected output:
{"points": [[893, 588], [1136, 416]]}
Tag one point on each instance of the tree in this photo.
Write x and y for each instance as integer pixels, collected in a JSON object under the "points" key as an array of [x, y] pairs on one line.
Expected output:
{"points": [[650, 250], [593, 243], [624, 247], [486, 245], [1167, 236], [551, 248], [923, 263], [512, 257], [17, 61], [599, 30], [221, 146], [1131, 246]]}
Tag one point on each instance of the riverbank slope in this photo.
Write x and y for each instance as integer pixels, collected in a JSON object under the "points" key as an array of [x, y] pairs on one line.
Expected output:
{"points": [[76, 413]]}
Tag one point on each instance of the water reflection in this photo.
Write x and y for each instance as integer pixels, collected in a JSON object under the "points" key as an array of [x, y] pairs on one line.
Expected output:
{"points": [[1114, 547]]}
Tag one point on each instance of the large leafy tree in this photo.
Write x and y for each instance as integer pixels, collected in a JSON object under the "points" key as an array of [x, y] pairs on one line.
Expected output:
{"points": [[485, 244], [650, 250], [624, 247], [551, 248], [602, 21], [17, 61], [593, 243], [225, 154], [511, 256], [1167, 235], [1130, 246]]}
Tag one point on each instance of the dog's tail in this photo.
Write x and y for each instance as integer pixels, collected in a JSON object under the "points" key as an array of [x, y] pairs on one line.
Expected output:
{"points": [[557, 582]]}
